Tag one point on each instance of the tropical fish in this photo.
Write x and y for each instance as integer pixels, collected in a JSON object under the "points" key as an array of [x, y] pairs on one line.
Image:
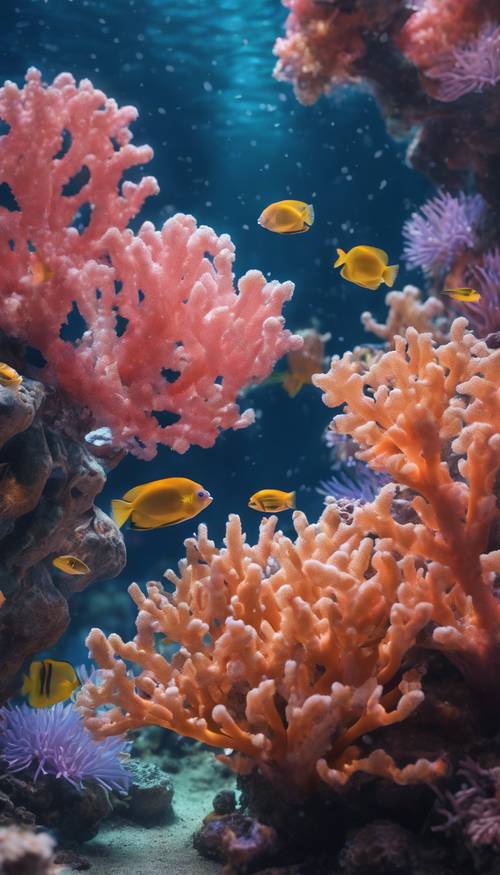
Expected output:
{"points": [[71, 565], [9, 377], [272, 500], [49, 681], [161, 503], [467, 295], [367, 267], [2, 598], [305, 362], [40, 272], [287, 217]]}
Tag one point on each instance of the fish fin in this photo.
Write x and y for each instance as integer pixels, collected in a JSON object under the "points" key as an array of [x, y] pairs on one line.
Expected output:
{"points": [[121, 511], [380, 253], [308, 214], [275, 377], [389, 275], [341, 257], [292, 500], [134, 493], [137, 528], [26, 685]]}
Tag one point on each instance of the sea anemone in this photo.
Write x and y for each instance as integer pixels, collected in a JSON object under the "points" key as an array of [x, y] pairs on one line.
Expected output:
{"points": [[355, 481], [484, 316], [470, 67], [54, 741], [444, 227]]}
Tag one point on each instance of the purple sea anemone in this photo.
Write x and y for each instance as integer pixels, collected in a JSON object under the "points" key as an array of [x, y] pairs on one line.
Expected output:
{"points": [[442, 228], [485, 277], [356, 481], [54, 741], [472, 66], [474, 809]]}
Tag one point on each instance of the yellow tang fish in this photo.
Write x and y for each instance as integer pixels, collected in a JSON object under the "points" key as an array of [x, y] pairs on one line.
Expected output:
{"points": [[49, 681], [467, 295], [160, 503], [367, 267], [40, 272], [303, 363], [287, 217], [9, 377], [71, 565], [272, 500]]}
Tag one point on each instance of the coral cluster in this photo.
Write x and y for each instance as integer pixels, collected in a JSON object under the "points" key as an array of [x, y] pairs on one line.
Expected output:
{"points": [[133, 326], [24, 853]]}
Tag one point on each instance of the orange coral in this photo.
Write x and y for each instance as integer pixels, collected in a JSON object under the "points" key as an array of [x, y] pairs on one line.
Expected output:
{"points": [[405, 411], [288, 668], [407, 309]]}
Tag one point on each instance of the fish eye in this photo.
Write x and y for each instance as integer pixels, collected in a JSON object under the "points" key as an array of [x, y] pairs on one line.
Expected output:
{"points": [[202, 493]]}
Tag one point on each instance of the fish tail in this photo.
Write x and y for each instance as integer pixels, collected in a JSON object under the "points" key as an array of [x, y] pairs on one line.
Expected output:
{"points": [[292, 500], [390, 273], [309, 214], [121, 511], [341, 258], [292, 385]]}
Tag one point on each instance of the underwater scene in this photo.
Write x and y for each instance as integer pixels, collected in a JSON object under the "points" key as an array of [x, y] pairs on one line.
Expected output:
{"points": [[249, 437]]}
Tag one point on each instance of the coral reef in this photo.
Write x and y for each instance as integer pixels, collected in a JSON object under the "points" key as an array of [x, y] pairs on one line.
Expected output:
{"points": [[239, 841], [405, 411], [323, 635], [151, 324], [24, 853], [445, 227], [50, 479], [474, 809]]}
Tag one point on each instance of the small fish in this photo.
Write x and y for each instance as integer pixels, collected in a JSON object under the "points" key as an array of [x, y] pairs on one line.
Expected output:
{"points": [[287, 217], [40, 272], [9, 377], [272, 500], [367, 267], [2, 598], [161, 503], [49, 681], [305, 362], [71, 565], [467, 295]]}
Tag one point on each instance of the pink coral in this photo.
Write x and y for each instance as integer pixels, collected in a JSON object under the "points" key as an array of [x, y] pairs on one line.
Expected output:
{"points": [[165, 330], [405, 411], [289, 669]]}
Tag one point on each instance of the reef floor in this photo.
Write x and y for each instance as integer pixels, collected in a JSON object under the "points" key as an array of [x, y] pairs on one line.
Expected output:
{"points": [[123, 848]]}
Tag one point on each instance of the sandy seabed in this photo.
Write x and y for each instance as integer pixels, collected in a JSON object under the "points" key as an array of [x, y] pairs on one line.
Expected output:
{"points": [[123, 848]]}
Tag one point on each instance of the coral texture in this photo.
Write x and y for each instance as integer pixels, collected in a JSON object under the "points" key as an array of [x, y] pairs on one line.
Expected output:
{"points": [[161, 328], [407, 309], [405, 411], [53, 741], [288, 670], [474, 809], [49, 480], [24, 853]]}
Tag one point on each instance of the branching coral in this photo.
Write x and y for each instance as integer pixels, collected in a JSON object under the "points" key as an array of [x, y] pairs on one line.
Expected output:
{"points": [[444, 227], [164, 330], [404, 412], [288, 670], [407, 309]]}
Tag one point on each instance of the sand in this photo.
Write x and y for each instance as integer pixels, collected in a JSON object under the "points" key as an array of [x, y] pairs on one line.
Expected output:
{"points": [[122, 848]]}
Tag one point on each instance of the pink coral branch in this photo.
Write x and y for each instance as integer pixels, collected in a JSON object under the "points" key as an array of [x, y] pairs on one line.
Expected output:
{"points": [[165, 329]]}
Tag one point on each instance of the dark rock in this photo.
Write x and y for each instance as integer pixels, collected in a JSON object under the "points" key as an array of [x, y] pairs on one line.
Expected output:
{"points": [[381, 848], [241, 842], [224, 802], [151, 794], [72, 860], [49, 481]]}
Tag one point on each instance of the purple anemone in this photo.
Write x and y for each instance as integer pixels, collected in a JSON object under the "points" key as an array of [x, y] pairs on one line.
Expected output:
{"points": [[54, 741], [444, 227], [470, 67]]}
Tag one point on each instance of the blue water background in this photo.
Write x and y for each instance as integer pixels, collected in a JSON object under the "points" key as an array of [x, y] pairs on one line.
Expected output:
{"points": [[228, 139]]}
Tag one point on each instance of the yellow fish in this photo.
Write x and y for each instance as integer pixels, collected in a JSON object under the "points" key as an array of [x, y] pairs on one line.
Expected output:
{"points": [[467, 295], [303, 363], [287, 217], [272, 500], [367, 267], [9, 377], [160, 503], [40, 272], [71, 565], [49, 681]]}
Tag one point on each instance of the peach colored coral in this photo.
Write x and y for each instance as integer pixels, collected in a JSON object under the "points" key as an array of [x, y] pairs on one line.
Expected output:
{"points": [[288, 668], [164, 330], [406, 411], [407, 309]]}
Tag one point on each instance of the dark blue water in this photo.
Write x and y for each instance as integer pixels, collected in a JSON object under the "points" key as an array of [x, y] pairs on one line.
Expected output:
{"points": [[228, 139]]}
